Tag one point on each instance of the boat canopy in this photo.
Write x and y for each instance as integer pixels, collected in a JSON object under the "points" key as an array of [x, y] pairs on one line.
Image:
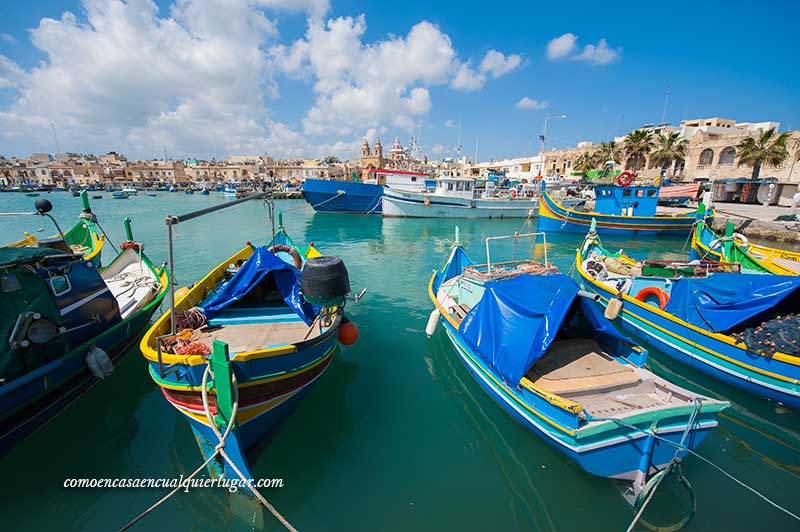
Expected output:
{"points": [[260, 264], [25, 255], [723, 300], [516, 320]]}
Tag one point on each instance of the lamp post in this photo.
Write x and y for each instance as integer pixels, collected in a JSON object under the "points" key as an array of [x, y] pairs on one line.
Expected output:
{"points": [[542, 139]]}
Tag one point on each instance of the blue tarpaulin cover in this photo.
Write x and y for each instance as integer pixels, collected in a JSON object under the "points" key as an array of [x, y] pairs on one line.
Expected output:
{"points": [[594, 315], [724, 300], [516, 320], [456, 264], [261, 263]]}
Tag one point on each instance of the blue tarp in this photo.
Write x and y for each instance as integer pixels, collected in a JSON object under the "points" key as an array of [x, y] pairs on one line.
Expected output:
{"points": [[594, 315], [259, 265], [724, 300], [516, 320], [456, 264]]}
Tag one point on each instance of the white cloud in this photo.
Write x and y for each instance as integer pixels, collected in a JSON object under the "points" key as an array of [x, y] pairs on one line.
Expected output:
{"points": [[361, 84], [450, 123], [530, 103], [561, 47], [11, 75], [599, 54], [566, 47], [6, 37]]}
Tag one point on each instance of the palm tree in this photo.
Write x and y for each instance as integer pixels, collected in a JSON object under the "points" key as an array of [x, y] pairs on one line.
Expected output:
{"points": [[585, 163], [767, 147], [608, 151], [638, 143], [668, 148]]}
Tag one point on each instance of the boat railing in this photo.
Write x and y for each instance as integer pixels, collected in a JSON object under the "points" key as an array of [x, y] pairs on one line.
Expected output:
{"points": [[515, 236]]}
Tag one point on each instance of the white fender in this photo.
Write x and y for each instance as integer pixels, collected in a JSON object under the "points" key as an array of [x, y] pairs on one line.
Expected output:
{"points": [[741, 240], [433, 321], [99, 362]]}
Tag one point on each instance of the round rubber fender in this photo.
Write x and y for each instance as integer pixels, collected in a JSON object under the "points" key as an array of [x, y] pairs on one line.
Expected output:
{"points": [[662, 296]]}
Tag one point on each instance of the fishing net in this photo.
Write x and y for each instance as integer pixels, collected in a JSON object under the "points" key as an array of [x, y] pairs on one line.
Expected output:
{"points": [[778, 335]]}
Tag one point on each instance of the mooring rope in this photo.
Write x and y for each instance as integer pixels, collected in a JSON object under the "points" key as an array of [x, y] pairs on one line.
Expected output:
{"points": [[682, 447], [105, 235], [218, 451]]}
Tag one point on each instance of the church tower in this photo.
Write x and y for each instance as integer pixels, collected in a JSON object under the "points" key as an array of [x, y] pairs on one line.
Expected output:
{"points": [[365, 148], [378, 150]]}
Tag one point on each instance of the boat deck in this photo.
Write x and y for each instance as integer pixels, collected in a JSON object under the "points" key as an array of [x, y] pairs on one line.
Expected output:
{"points": [[256, 336]]}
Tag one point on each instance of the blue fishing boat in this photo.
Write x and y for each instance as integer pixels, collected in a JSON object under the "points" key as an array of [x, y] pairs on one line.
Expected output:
{"points": [[65, 325], [740, 328], [361, 197], [119, 194], [619, 210], [542, 349], [240, 348]]}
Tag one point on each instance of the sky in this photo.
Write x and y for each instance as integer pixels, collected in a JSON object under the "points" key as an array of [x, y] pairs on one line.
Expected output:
{"points": [[214, 78]]}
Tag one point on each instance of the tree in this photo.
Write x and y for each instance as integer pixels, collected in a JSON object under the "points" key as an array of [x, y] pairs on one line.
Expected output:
{"points": [[608, 151], [584, 163], [668, 148], [331, 159], [638, 144], [767, 147]]}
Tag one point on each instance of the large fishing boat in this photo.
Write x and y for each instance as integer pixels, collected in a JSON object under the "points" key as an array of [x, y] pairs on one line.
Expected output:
{"points": [[361, 197], [618, 210], [734, 247], [66, 324], [740, 328], [458, 197], [239, 349], [543, 350], [85, 237]]}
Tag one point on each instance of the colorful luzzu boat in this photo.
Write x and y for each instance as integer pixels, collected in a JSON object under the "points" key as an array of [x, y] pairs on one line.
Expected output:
{"points": [[65, 324], [248, 337], [705, 315], [735, 248], [618, 210], [85, 237], [544, 352]]}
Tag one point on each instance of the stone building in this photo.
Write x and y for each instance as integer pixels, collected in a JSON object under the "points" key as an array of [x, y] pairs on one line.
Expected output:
{"points": [[372, 158]]}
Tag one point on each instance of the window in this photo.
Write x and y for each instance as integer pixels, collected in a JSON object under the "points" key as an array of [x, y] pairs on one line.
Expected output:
{"points": [[651, 193], [727, 156], [60, 285], [459, 186], [640, 193], [449, 186], [467, 186], [706, 157], [626, 193], [413, 179]]}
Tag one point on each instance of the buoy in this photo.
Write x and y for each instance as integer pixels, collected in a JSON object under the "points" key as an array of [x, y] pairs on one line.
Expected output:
{"points": [[662, 296], [433, 321], [348, 332], [613, 308], [180, 292], [99, 362]]}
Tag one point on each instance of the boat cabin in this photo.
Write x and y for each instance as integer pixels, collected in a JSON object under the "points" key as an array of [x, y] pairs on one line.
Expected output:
{"points": [[455, 187], [626, 201]]}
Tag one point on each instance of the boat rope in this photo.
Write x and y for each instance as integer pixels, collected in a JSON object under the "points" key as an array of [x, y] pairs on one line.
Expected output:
{"points": [[218, 451], [378, 202], [684, 448], [105, 235], [339, 193]]}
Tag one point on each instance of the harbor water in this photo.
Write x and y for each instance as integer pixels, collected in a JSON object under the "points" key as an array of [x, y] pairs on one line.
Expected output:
{"points": [[396, 435]]}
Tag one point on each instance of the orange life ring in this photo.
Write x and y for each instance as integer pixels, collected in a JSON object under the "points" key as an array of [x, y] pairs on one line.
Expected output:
{"points": [[427, 202], [277, 248], [662, 296], [513, 194], [624, 179]]}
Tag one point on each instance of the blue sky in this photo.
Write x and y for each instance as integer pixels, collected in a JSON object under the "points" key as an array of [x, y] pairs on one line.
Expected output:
{"points": [[313, 76]]}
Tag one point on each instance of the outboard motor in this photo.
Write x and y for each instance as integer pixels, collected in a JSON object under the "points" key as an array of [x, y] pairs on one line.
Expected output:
{"points": [[325, 281]]}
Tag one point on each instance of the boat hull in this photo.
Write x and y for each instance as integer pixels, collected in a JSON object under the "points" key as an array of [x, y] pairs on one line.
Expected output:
{"points": [[402, 204], [615, 455], [715, 354], [555, 217], [343, 196]]}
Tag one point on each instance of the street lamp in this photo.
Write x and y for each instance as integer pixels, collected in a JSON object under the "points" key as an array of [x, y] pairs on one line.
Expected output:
{"points": [[542, 139]]}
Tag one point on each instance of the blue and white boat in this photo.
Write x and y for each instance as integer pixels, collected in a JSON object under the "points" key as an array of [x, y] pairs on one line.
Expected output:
{"points": [[458, 197], [361, 197], [543, 351]]}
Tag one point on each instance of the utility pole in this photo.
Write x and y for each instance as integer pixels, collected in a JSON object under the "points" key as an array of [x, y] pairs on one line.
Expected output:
{"points": [[666, 103]]}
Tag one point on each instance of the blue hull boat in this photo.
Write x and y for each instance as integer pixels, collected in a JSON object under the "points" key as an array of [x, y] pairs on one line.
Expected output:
{"points": [[704, 315], [543, 351], [343, 196]]}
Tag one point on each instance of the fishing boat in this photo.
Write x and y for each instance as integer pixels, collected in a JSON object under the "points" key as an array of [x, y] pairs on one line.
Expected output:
{"points": [[327, 195], [85, 238], [119, 194], [130, 191], [734, 247], [260, 332], [618, 210], [65, 324], [740, 328], [457, 197], [679, 195], [542, 349], [230, 192]]}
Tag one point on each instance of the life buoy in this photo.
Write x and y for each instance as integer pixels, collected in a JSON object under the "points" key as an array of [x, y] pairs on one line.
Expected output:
{"points": [[662, 296], [624, 179], [277, 248], [427, 202], [513, 194]]}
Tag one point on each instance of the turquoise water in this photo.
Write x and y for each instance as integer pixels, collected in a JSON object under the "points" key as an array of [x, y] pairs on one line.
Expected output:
{"points": [[395, 436]]}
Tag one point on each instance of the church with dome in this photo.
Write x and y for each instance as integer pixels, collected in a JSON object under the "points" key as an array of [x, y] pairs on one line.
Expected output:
{"points": [[373, 157]]}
